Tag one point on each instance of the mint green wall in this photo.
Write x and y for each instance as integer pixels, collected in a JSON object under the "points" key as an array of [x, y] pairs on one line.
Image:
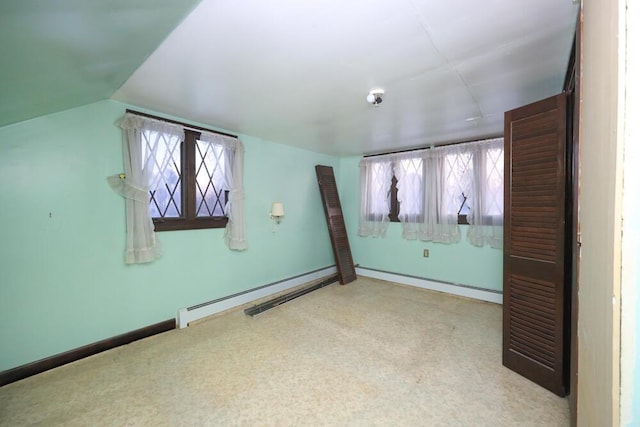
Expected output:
{"points": [[63, 280], [459, 263], [87, 48]]}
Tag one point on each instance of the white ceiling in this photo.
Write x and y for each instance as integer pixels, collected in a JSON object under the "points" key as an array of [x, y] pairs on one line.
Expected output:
{"points": [[298, 72], [294, 72]]}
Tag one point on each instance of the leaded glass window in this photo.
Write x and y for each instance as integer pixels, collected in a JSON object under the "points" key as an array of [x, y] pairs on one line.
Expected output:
{"points": [[188, 185], [210, 179], [161, 151]]}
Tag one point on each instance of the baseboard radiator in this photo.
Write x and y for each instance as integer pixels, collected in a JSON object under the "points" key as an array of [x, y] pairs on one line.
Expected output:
{"points": [[433, 285], [274, 302], [196, 312]]}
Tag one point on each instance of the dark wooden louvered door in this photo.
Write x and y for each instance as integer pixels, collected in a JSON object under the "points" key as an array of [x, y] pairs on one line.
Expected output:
{"points": [[534, 246], [335, 223]]}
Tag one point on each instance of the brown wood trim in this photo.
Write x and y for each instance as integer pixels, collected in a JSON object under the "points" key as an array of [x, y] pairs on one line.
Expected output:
{"points": [[39, 366], [189, 175], [175, 224], [462, 219], [175, 122], [189, 220], [335, 224]]}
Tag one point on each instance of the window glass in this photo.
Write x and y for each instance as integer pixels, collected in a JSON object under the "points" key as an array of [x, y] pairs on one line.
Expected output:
{"points": [[494, 191], [458, 182], [211, 187], [411, 186], [379, 186], [161, 153]]}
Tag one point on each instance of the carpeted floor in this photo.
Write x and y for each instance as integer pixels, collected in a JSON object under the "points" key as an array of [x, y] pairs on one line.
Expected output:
{"points": [[368, 353]]}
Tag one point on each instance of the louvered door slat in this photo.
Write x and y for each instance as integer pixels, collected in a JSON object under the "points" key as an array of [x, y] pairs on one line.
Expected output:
{"points": [[542, 313], [533, 330], [538, 238], [541, 287], [539, 322], [335, 223], [544, 248], [533, 340], [531, 150], [535, 296]]}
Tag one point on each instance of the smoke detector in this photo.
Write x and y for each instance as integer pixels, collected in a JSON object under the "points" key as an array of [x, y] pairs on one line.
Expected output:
{"points": [[375, 97]]}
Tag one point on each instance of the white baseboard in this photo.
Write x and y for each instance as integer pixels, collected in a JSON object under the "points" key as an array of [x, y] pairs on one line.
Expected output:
{"points": [[450, 288], [190, 314]]}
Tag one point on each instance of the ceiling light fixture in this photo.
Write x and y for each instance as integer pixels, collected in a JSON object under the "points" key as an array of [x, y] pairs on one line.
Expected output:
{"points": [[375, 97]]}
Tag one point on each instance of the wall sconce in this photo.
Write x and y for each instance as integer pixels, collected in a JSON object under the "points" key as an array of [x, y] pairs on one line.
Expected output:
{"points": [[277, 212]]}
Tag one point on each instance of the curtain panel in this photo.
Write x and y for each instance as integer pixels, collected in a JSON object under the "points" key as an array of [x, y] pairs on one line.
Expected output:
{"points": [[486, 217], [235, 236], [140, 145], [425, 203], [434, 186], [375, 179], [146, 154]]}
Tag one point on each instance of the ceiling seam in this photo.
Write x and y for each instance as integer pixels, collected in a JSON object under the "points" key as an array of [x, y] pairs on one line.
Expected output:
{"points": [[425, 27]]}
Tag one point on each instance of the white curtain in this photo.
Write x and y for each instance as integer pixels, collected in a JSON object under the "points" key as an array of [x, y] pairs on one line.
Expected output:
{"points": [[409, 172], [143, 139], [426, 209], [375, 182], [149, 146], [235, 235], [487, 206], [434, 186]]}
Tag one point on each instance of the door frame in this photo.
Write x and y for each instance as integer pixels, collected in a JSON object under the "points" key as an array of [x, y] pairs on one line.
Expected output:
{"points": [[572, 88]]}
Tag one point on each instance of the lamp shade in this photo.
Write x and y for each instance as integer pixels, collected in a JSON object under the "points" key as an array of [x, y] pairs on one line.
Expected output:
{"points": [[277, 209]]}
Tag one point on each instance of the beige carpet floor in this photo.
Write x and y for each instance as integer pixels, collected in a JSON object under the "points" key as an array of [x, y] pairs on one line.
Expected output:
{"points": [[368, 353]]}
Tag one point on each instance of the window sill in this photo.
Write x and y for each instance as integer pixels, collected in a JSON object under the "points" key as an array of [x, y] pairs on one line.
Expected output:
{"points": [[462, 219], [171, 224]]}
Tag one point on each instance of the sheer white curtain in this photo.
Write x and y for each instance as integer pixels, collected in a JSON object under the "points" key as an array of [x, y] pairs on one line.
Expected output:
{"points": [[143, 151], [441, 209], [235, 234], [434, 186], [409, 172], [426, 208], [375, 182], [487, 206]]}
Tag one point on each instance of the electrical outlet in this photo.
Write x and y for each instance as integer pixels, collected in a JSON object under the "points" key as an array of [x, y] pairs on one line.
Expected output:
{"points": [[425, 253]]}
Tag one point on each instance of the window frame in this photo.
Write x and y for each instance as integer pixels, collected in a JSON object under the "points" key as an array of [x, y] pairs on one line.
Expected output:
{"points": [[188, 220], [393, 191]]}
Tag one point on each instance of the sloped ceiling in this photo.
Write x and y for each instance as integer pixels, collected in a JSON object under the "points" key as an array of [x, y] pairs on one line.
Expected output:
{"points": [[296, 72], [65, 53]]}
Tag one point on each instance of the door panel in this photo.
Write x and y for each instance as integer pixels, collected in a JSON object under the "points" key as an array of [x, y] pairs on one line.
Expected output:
{"points": [[534, 253], [335, 223]]}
